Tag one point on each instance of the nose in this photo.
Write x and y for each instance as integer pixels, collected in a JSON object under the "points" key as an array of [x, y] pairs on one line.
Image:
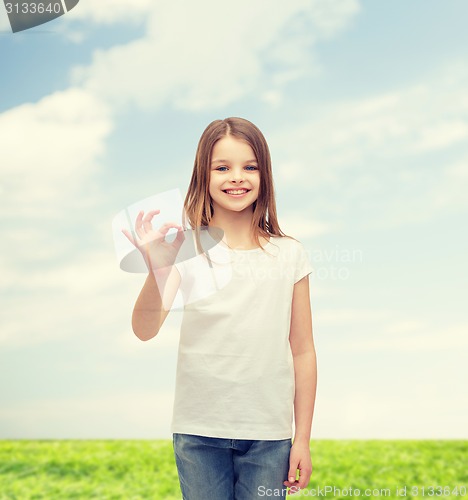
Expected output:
{"points": [[237, 176]]}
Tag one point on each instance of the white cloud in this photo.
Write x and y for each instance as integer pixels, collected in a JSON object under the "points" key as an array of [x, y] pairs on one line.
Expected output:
{"points": [[331, 18], [394, 124], [49, 151], [450, 191], [343, 316], [382, 146], [288, 171], [442, 135], [406, 335], [124, 415], [87, 287], [302, 227], [81, 296], [397, 411], [207, 55], [111, 11], [272, 97], [352, 404]]}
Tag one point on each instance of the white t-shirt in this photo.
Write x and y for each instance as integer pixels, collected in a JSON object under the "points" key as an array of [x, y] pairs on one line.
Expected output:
{"points": [[235, 372]]}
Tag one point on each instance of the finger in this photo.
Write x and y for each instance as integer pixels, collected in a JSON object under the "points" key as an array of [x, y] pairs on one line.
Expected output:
{"points": [[147, 226], [127, 234], [138, 225], [304, 479], [168, 225], [303, 482], [293, 488], [180, 234], [292, 473]]}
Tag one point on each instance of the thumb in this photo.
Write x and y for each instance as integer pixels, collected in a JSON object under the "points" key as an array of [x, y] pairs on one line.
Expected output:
{"points": [[292, 474], [180, 235]]}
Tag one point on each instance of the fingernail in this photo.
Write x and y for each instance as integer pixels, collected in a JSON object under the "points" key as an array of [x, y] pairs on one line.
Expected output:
{"points": [[291, 479]]}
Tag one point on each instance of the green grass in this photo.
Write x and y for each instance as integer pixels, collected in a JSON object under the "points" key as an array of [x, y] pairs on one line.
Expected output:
{"points": [[72, 469]]}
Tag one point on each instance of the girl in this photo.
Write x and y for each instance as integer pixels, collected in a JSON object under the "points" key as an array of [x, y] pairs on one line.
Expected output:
{"points": [[246, 361]]}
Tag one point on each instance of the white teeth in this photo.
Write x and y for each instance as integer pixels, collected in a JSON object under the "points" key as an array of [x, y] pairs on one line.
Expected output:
{"points": [[237, 192]]}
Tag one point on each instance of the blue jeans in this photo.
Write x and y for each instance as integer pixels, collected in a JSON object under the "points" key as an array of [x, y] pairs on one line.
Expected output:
{"points": [[231, 469]]}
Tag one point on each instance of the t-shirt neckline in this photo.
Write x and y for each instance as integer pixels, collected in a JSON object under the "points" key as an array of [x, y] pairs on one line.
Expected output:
{"points": [[241, 250]]}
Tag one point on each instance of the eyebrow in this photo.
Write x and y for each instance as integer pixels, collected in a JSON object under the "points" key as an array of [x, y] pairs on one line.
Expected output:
{"points": [[227, 161]]}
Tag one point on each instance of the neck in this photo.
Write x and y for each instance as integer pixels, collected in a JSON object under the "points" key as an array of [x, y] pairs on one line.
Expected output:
{"points": [[235, 225]]}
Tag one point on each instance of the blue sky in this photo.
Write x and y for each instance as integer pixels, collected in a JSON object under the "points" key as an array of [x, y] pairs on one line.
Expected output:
{"points": [[365, 109]]}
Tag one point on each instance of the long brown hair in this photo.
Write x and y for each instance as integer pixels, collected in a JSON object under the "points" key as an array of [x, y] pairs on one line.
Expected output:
{"points": [[198, 206]]}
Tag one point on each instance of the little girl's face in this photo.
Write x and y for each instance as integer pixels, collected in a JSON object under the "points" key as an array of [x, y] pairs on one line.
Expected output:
{"points": [[233, 167]]}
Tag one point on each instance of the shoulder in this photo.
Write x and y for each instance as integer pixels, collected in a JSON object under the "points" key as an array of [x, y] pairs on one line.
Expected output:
{"points": [[287, 242], [293, 249]]}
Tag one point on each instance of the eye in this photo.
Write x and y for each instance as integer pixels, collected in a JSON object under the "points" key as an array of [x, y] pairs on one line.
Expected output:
{"points": [[250, 168]]}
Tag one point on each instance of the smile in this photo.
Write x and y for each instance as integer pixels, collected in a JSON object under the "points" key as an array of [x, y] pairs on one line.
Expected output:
{"points": [[237, 193]]}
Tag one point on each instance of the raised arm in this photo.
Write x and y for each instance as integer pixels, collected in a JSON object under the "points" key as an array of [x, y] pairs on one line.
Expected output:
{"points": [[149, 312], [157, 295]]}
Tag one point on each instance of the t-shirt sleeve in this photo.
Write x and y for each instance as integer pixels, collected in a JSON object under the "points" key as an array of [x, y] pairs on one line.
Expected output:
{"points": [[303, 264]]}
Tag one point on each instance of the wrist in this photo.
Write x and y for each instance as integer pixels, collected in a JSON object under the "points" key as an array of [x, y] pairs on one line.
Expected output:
{"points": [[302, 440], [161, 273]]}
